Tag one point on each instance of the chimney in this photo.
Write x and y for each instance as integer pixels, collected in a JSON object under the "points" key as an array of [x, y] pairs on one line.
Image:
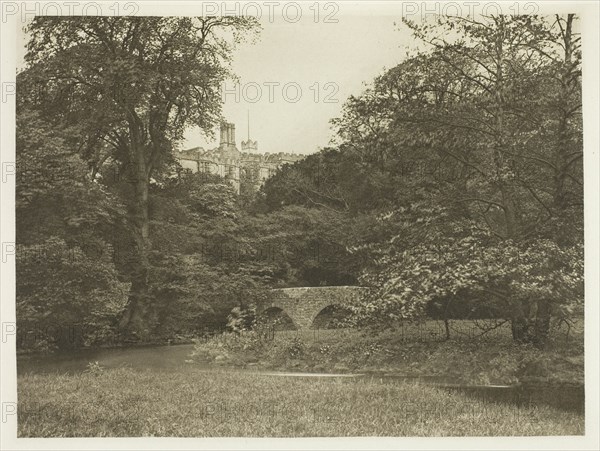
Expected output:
{"points": [[231, 134], [223, 134], [227, 134]]}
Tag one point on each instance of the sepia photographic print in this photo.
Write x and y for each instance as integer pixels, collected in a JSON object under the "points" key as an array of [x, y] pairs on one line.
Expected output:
{"points": [[304, 225]]}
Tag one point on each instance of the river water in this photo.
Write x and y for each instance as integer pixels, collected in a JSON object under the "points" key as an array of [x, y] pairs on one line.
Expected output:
{"points": [[141, 357]]}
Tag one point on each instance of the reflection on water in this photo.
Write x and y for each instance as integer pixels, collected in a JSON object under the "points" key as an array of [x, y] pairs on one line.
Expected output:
{"points": [[172, 358], [147, 357]]}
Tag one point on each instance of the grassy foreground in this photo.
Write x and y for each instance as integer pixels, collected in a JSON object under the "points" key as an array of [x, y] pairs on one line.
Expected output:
{"points": [[196, 403]]}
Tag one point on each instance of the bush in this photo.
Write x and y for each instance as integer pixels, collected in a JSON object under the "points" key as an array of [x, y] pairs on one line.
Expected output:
{"points": [[466, 361], [296, 348], [65, 298]]}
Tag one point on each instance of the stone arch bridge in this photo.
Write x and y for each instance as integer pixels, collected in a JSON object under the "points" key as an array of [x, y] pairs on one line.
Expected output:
{"points": [[304, 304]]}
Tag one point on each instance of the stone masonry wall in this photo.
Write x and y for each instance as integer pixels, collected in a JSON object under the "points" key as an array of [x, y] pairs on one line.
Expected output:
{"points": [[305, 303]]}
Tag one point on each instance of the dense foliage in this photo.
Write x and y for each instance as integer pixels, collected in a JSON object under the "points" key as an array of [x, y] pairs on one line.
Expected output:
{"points": [[461, 169], [130, 86], [69, 290], [456, 179]]}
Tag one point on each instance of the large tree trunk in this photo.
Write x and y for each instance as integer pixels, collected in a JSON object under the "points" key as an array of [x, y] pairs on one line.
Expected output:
{"points": [[137, 320], [541, 328], [520, 329], [520, 321], [531, 322], [520, 324]]}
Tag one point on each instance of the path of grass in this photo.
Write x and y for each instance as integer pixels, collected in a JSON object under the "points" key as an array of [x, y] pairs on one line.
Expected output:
{"points": [[195, 403]]}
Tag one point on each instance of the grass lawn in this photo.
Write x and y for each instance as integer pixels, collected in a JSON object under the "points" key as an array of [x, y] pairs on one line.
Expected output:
{"points": [[196, 403]]}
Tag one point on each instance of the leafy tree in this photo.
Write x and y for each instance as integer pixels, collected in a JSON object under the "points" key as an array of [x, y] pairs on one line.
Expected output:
{"points": [[203, 262], [488, 124], [249, 184], [342, 180], [304, 246], [315, 181], [66, 298], [131, 86], [69, 292], [511, 66]]}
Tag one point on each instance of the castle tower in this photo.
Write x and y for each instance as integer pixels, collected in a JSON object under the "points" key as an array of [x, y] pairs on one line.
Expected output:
{"points": [[228, 162], [227, 134], [249, 145]]}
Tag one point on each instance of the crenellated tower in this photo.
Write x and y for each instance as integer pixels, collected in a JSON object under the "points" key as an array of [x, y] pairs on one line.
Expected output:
{"points": [[250, 146]]}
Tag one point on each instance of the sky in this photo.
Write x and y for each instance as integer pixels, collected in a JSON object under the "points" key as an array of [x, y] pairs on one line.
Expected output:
{"points": [[317, 67], [298, 74]]}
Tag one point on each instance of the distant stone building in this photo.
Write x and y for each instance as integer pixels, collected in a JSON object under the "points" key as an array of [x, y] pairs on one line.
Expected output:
{"points": [[228, 162]]}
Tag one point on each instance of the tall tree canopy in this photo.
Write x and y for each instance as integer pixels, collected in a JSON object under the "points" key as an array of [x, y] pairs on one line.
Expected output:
{"points": [[486, 128], [466, 160], [130, 86]]}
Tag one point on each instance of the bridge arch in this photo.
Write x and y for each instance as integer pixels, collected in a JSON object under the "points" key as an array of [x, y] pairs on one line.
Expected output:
{"points": [[304, 304], [277, 317], [330, 317]]}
